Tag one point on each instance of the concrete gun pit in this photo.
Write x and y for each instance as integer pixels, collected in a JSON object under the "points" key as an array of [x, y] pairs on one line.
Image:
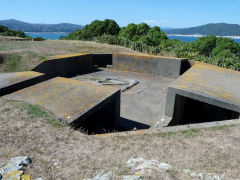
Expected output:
{"points": [[101, 93]]}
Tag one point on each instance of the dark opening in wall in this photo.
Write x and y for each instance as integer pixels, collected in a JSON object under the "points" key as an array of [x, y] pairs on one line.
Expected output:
{"points": [[190, 111], [102, 60]]}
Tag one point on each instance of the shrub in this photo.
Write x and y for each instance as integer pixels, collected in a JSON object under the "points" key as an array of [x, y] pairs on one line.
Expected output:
{"points": [[38, 39]]}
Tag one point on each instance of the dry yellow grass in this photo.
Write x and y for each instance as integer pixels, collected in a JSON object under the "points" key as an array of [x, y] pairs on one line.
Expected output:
{"points": [[27, 132]]}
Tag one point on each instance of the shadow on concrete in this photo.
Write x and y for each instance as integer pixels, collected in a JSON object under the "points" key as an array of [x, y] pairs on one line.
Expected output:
{"points": [[24, 84], [81, 73], [93, 126], [129, 125]]}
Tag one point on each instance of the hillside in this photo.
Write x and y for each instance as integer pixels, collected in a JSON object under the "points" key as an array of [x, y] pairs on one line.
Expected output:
{"points": [[28, 27], [218, 29]]}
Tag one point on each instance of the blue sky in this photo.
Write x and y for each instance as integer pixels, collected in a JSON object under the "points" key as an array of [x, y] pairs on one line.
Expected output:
{"points": [[163, 13]]}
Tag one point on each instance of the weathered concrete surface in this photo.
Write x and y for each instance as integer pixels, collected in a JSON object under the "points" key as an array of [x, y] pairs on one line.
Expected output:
{"points": [[157, 65], [10, 82], [143, 105], [208, 84], [66, 65], [70, 100]]}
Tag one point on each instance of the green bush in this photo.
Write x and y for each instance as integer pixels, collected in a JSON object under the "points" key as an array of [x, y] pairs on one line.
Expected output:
{"points": [[4, 31], [38, 39]]}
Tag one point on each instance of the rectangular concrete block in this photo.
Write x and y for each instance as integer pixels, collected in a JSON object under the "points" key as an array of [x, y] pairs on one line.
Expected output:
{"points": [[217, 88], [157, 65], [73, 101], [66, 65]]}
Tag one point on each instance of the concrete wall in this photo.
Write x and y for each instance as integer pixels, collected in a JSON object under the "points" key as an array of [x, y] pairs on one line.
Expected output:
{"points": [[157, 65], [66, 65]]}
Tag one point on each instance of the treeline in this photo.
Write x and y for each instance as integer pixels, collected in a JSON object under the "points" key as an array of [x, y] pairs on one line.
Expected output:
{"points": [[220, 51], [4, 31]]}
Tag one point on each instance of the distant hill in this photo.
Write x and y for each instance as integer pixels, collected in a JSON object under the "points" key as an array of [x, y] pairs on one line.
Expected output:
{"points": [[28, 27], [218, 29]]}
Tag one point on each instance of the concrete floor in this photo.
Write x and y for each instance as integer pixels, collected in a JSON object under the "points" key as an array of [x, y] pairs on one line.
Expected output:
{"points": [[143, 105]]}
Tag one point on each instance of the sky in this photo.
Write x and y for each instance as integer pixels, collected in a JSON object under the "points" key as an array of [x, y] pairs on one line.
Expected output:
{"points": [[163, 13]]}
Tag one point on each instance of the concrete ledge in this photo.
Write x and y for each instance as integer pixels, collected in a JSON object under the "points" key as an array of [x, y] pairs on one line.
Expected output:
{"points": [[216, 87], [73, 101], [66, 65], [11, 82], [157, 65]]}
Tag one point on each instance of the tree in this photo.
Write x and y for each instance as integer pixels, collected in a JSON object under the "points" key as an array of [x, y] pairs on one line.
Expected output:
{"points": [[206, 44], [128, 32], [225, 46], [154, 37], [113, 28], [95, 29]]}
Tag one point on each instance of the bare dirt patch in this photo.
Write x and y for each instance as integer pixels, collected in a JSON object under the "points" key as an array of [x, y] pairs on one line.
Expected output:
{"points": [[26, 131]]}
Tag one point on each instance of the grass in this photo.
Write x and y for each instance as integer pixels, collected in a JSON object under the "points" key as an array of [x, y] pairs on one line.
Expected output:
{"points": [[82, 156], [32, 53], [36, 112], [12, 62], [94, 79], [40, 113]]}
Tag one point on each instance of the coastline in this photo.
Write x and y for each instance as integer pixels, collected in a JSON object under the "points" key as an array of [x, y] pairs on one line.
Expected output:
{"points": [[200, 35], [47, 32]]}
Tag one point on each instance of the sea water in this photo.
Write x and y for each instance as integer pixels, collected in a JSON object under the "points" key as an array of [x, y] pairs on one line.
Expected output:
{"points": [[58, 35]]}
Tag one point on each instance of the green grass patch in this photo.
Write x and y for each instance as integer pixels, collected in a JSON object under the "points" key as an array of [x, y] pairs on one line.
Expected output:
{"points": [[190, 133], [12, 63], [94, 79], [41, 113], [30, 53], [37, 112]]}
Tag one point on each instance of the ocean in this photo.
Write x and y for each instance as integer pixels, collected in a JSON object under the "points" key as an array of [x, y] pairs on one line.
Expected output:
{"points": [[192, 39], [46, 35], [57, 36]]}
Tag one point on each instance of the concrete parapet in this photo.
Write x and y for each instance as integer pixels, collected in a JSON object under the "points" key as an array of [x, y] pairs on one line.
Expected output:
{"points": [[66, 65], [204, 93], [157, 65]]}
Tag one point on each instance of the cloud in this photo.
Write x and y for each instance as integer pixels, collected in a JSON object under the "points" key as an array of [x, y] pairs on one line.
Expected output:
{"points": [[156, 22]]}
